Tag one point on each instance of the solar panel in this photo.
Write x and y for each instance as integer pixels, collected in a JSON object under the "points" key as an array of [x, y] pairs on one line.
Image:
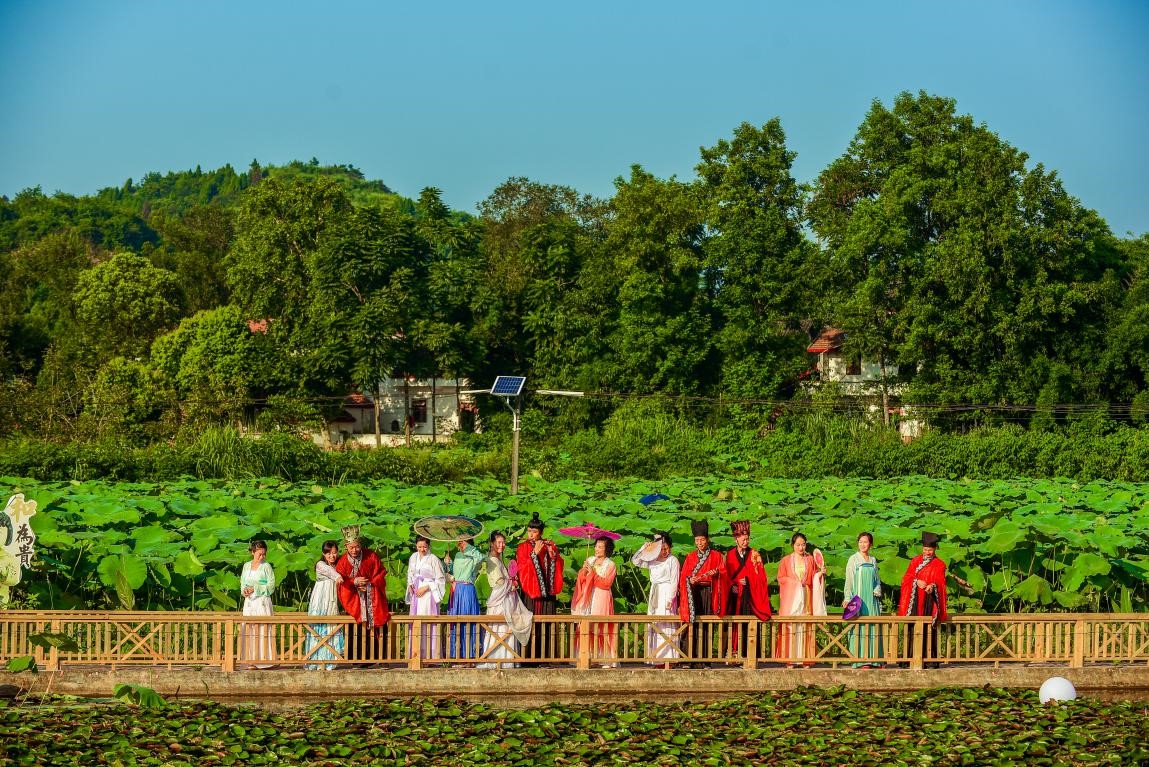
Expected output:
{"points": [[508, 386]]}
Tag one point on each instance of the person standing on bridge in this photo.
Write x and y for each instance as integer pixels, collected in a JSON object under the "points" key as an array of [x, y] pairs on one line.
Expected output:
{"points": [[924, 593], [749, 592], [662, 599], [540, 569], [363, 594], [702, 588], [256, 583], [462, 572], [593, 596]]}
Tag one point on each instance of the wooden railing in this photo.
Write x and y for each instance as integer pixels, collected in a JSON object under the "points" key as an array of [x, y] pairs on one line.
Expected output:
{"points": [[229, 641]]}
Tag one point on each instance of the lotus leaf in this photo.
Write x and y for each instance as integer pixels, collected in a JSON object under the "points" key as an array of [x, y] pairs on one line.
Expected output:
{"points": [[153, 538], [187, 564], [131, 568], [1034, 590], [1081, 567], [1006, 537]]}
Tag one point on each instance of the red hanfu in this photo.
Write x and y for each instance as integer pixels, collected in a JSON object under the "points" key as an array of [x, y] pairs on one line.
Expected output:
{"points": [[540, 577], [712, 573], [756, 590], [917, 601], [371, 568]]}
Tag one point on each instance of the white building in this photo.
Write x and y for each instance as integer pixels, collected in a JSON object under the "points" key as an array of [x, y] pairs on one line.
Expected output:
{"points": [[429, 410], [858, 377]]}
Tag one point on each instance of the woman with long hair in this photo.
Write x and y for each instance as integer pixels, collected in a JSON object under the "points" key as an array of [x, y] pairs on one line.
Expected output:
{"points": [[426, 585], [796, 581], [593, 596], [325, 641], [256, 584], [503, 641], [862, 581]]}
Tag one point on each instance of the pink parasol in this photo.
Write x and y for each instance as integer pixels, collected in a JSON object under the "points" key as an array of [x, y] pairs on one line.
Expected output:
{"points": [[588, 532]]}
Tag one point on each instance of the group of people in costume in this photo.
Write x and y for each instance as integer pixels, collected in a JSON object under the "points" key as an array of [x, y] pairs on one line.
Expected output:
{"points": [[706, 583]]}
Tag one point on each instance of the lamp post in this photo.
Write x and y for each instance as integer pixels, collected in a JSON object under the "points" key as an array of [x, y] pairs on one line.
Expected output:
{"points": [[509, 388]]}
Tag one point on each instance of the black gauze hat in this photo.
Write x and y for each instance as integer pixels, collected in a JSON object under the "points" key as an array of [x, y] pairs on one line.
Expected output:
{"points": [[700, 527], [930, 539]]}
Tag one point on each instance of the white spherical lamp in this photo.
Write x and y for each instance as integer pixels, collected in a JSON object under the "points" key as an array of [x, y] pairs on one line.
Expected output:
{"points": [[1056, 688]]}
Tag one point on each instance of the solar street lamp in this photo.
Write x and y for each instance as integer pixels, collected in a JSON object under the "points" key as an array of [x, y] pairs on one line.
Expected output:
{"points": [[509, 388]]}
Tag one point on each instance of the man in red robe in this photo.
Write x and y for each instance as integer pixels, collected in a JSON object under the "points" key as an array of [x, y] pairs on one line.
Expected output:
{"points": [[540, 575], [363, 595], [924, 592], [702, 589], [749, 588]]}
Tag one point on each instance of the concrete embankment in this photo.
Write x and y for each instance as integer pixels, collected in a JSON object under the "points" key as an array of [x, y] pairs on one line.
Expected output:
{"points": [[537, 686]]}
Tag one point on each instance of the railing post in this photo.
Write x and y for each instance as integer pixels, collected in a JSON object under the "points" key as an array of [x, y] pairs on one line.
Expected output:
{"points": [[415, 645], [228, 645], [583, 629], [1078, 658], [751, 648], [918, 649], [54, 652]]}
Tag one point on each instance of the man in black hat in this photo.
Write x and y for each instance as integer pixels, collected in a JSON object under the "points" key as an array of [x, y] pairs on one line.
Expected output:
{"points": [[924, 593], [702, 590]]}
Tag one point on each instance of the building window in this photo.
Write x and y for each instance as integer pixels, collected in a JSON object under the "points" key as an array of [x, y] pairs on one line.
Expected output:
{"points": [[419, 410], [854, 366]]}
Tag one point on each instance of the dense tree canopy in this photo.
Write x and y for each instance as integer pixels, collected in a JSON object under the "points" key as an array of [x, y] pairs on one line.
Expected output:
{"points": [[934, 244]]}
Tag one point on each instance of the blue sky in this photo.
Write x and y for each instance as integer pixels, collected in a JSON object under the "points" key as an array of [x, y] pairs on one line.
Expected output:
{"points": [[462, 96]]}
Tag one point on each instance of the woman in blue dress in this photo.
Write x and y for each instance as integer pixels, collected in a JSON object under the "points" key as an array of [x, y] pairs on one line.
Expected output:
{"points": [[326, 640], [862, 581]]}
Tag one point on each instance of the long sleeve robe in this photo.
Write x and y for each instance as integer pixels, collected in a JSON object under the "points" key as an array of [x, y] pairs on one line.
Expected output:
{"points": [[711, 572], [916, 601], [755, 593], [662, 599], [356, 603], [540, 577]]}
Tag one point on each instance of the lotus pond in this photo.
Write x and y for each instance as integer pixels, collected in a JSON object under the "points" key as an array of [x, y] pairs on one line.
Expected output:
{"points": [[1021, 544], [807, 726]]}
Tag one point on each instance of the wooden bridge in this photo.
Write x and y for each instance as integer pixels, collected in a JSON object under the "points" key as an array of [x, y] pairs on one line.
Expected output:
{"points": [[225, 641]]}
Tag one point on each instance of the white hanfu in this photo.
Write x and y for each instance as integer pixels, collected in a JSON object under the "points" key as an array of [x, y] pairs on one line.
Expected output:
{"points": [[257, 640], [504, 639], [662, 599], [425, 570], [328, 641]]}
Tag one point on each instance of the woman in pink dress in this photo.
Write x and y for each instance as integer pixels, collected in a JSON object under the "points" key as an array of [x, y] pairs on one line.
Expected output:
{"points": [[592, 596], [796, 576]]}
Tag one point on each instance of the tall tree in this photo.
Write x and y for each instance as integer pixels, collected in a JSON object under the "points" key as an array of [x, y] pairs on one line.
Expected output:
{"points": [[757, 259], [664, 339], [124, 303], [951, 258]]}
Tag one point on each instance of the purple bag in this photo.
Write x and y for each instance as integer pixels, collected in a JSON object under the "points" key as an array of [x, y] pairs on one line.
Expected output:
{"points": [[853, 608]]}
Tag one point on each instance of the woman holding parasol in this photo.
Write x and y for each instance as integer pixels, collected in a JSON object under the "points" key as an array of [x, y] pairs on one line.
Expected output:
{"points": [[593, 596]]}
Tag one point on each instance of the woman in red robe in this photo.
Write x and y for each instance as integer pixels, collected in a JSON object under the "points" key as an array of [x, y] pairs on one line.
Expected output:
{"points": [[540, 567]]}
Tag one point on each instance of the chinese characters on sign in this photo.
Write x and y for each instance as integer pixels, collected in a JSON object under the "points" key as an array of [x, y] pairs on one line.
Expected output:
{"points": [[19, 541]]}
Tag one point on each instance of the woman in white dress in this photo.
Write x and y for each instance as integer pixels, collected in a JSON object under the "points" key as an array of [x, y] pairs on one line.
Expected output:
{"points": [[663, 567], [256, 584], [426, 585], [503, 640], [328, 641]]}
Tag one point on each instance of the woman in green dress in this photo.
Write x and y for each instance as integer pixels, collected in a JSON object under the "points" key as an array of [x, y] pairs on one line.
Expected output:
{"points": [[863, 582]]}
